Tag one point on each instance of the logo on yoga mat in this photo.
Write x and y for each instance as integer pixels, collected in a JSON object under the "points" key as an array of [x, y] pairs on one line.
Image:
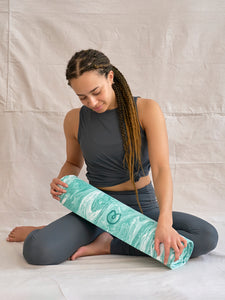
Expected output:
{"points": [[113, 217]]}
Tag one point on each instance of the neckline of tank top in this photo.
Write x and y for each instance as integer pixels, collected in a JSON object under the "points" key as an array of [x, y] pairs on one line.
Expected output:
{"points": [[108, 111], [103, 113]]}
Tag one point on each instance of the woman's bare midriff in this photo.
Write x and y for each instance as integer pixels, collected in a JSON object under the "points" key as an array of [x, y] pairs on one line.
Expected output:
{"points": [[128, 185]]}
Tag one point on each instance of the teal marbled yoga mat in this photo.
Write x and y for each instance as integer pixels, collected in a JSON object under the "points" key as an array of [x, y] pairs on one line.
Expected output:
{"points": [[118, 219]]}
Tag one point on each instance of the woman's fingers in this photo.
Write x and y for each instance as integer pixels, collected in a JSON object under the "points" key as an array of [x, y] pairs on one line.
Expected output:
{"points": [[55, 195], [182, 244], [57, 185], [177, 252], [167, 252], [157, 243], [57, 188], [58, 191], [183, 241], [178, 246]]}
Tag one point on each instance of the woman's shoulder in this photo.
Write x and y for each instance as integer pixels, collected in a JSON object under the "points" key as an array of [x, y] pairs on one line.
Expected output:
{"points": [[72, 116], [72, 113], [71, 121], [146, 103], [148, 109], [147, 106]]}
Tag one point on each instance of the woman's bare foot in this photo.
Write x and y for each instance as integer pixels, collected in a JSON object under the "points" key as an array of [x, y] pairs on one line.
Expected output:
{"points": [[100, 246], [19, 234]]}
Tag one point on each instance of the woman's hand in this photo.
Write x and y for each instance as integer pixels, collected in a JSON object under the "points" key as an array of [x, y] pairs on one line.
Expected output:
{"points": [[171, 239], [55, 189]]}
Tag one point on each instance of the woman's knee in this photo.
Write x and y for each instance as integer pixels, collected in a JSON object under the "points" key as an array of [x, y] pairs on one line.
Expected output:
{"points": [[208, 240], [211, 237], [37, 251]]}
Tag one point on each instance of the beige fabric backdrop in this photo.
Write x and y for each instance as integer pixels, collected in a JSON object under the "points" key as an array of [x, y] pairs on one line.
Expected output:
{"points": [[172, 51]]}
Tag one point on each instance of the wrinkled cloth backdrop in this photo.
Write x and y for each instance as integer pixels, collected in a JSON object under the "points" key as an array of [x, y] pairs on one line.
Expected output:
{"points": [[170, 51]]}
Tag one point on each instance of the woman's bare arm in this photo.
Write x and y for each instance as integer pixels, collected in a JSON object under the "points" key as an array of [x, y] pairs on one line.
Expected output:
{"points": [[153, 122], [74, 157]]}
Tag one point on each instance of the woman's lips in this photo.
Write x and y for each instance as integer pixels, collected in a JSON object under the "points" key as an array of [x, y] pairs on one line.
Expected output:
{"points": [[98, 108]]}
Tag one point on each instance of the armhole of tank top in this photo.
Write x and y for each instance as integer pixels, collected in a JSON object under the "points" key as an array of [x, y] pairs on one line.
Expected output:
{"points": [[80, 117], [135, 101]]}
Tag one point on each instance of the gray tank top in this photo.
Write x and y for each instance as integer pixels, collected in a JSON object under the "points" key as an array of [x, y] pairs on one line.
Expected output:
{"points": [[102, 147]]}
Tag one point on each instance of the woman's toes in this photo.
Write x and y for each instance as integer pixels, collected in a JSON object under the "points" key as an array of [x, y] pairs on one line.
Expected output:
{"points": [[11, 238], [19, 234], [80, 252]]}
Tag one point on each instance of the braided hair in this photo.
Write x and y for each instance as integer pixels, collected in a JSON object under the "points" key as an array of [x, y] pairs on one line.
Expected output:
{"points": [[90, 60]]}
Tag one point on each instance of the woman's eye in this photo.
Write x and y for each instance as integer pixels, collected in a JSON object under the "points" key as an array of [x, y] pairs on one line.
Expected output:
{"points": [[95, 94]]}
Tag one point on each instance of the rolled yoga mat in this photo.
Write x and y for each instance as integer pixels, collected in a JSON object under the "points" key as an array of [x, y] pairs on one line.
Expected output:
{"points": [[118, 219]]}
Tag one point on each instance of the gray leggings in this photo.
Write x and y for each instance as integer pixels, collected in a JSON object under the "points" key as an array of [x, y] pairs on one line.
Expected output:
{"points": [[56, 242]]}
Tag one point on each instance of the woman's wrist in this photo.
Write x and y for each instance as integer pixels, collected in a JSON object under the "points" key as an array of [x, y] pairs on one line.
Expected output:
{"points": [[68, 169], [165, 219]]}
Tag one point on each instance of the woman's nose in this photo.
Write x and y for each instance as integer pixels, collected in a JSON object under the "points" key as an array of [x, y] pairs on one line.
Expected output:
{"points": [[92, 101]]}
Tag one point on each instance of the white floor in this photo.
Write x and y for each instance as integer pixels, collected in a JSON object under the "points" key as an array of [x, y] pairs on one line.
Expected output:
{"points": [[110, 276], [169, 51]]}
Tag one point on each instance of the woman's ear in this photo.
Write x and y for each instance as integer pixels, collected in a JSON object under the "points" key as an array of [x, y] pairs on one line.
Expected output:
{"points": [[111, 77]]}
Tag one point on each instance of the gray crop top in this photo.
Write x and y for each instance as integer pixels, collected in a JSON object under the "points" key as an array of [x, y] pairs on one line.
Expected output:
{"points": [[101, 144]]}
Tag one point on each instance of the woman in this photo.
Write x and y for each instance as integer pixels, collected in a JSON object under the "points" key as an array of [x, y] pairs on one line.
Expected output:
{"points": [[118, 136]]}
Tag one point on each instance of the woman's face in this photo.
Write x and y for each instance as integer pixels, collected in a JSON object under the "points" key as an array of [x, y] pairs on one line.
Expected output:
{"points": [[95, 91]]}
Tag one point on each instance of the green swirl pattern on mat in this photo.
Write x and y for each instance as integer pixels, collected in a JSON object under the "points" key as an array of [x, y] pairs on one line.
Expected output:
{"points": [[118, 219]]}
